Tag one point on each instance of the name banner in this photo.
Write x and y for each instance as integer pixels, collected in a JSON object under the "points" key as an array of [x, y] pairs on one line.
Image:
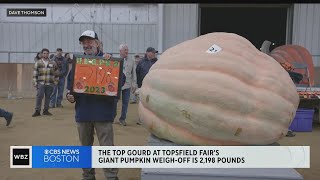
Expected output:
{"points": [[160, 157], [22, 12]]}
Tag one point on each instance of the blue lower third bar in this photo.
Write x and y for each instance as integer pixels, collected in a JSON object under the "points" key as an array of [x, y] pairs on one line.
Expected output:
{"points": [[61, 157]]}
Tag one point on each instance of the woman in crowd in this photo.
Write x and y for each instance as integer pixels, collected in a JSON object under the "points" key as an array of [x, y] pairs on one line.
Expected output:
{"points": [[38, 57]]}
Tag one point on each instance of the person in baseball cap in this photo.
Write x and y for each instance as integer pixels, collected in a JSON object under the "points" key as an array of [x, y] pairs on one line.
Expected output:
{"points": [[94, 113], [90, 43], [145, 64], [151, 49], [88, 34]]}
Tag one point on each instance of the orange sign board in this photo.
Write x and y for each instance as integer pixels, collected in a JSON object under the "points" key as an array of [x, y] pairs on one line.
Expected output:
{"points": [[97, 76]]}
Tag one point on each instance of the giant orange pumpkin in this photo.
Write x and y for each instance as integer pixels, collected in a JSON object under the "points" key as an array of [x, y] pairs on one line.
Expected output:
{"points": [[298, 54], [217, 89]]}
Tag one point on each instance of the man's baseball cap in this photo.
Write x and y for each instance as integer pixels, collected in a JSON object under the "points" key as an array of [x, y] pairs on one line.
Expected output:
{"points": [[88, 33], [151, 49]]}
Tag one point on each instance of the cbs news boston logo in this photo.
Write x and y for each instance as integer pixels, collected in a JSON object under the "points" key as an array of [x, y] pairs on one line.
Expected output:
{"points": [[26, 12], [20, 157]]}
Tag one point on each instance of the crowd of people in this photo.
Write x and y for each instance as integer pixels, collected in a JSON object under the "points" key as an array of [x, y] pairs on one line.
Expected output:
{"points": [[93, 114], [49, 80]]}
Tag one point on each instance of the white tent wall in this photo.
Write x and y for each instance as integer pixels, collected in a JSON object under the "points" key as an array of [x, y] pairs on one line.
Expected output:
{"points": [[306, 29]]}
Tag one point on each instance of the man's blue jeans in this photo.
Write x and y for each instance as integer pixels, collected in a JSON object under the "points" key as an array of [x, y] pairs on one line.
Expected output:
{"points": [[125, 96], [58, 89], [43, 91]]}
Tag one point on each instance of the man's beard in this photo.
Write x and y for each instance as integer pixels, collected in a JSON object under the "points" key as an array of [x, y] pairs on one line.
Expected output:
{"points": [[90, 51]]}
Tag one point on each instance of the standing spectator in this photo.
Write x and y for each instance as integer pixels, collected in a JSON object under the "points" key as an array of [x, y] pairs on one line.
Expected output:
{"points": [[7, 116], [134, 97], [68, 58], [94, 112], [129, 67], [57, 94], [38, 57], [44, 78], [51, 56], [145, 64]]}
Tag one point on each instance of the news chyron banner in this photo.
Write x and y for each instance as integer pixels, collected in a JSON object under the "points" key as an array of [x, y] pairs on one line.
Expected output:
{"points": [[160, 156]]}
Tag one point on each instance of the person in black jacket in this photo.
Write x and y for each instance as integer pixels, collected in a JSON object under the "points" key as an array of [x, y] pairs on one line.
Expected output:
{"points": [[57, 93], [145, 64]]}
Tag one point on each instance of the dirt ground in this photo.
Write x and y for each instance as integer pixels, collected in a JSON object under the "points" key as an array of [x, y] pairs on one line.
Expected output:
{"points": [[60, 129]]}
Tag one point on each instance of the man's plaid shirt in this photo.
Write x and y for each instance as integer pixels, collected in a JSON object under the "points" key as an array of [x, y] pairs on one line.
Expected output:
{"points": [[45, 75]]}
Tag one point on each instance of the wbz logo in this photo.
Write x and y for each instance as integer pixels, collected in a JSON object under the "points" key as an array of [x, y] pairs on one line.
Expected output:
{"points": [[20, 157]]}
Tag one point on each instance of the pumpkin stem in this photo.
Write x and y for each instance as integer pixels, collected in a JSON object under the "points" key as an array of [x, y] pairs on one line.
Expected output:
{"points": [[265, 47]]}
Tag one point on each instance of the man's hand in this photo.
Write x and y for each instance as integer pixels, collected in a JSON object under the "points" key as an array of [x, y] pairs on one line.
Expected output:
{"points": [[70, 98], [107, 56], [35, 86]]}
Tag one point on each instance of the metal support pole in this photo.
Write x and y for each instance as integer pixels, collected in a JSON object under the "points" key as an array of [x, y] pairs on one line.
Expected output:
{"points": [[160, 28]]}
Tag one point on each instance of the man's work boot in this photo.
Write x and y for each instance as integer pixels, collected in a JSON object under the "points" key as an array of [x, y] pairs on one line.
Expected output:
{"points": [[9, 119], [122, 122], [46, 112], [36, 113], [290, 134], [59, 106]]}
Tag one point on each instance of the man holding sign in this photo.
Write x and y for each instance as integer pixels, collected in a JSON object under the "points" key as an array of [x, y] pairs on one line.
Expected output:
{"points": [[94, 111]]}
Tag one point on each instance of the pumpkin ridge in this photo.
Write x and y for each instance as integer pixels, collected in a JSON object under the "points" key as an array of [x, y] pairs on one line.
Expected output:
{"points": [[222, 121], [189, 138], [192, 123], [227, 57], [288, 83], [251, 105], [176, 132], [283, 54], [256, 101], [248, 58], [296, 50], [278, 56], [248, 85]]}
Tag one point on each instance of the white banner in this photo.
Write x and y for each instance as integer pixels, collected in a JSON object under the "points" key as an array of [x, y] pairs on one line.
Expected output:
{"points": [[200, 157]]}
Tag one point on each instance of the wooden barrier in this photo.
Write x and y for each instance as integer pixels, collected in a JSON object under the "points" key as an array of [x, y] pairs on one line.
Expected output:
{"points": [[16, 80]]}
